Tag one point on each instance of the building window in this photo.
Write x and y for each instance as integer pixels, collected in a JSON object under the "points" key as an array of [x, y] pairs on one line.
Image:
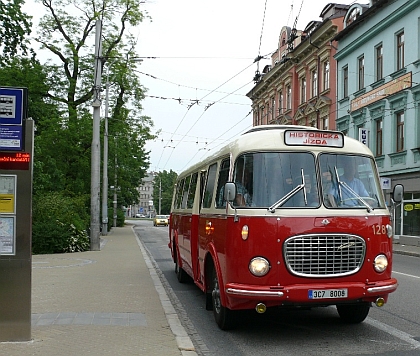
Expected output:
{"points": [[326, 80], [400, 51], [400, 131], [345, 82], [280, 102], [379, 144], [361, 72], [314, 80], [353, 15], [288, 97], [379, 62], [262, 116], [302, 90], [323, 123], [273, 108]]}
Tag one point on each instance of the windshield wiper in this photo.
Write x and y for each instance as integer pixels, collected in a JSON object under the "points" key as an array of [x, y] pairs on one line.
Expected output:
{"points": [[285, 198], [357, 196], [351, 191]]}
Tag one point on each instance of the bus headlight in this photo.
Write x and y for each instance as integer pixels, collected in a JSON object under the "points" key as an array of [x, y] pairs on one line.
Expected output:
{"points": [[380, 263], [259, 266], [389, 230]]}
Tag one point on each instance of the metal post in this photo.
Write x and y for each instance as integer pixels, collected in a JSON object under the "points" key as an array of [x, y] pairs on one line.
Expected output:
{"points": [[96, 154], [160, 193], [105, 163], [115, 185]]}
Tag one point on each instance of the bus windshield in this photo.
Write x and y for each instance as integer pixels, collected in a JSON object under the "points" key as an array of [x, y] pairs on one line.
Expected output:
{"points": [[349, 181], [276, 179], [273, 180]]}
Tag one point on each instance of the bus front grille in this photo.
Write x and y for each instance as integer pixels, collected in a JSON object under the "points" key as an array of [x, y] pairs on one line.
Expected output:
{"points": [[324, 255]]}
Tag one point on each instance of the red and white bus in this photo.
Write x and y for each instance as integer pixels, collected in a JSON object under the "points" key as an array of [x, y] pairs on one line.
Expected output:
{"points": [[285, 216]]}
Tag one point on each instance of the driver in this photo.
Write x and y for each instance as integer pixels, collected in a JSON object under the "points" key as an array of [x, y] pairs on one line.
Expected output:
{"points": [[354, 183]]}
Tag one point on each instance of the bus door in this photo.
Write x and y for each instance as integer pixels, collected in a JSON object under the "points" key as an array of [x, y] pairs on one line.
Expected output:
{"points": [[206, 217]]}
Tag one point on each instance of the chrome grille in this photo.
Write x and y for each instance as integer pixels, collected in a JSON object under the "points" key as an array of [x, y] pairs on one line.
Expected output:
{"points": [[324, 255]]}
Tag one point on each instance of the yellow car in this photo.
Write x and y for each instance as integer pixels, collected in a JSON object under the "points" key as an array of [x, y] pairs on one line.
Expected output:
{"points": [[160, 220]]}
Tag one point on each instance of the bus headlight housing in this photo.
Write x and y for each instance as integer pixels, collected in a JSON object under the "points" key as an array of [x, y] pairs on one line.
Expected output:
{"points": [[380, 263], [259, 266]]}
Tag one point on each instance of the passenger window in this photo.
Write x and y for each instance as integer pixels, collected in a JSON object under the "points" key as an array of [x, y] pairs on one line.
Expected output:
{"points": [[185, 192], [223, 178], [208, 193], [191, 193], [179, 194]]}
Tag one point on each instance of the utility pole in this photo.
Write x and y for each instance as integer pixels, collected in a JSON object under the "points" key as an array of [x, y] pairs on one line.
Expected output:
{"points": [[96, 154], [160, 192], [115, 184], [105, 164]]}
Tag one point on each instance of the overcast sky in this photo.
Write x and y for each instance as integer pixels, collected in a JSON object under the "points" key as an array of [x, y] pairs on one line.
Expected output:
{"points": [[206, 52], [204, 67]]}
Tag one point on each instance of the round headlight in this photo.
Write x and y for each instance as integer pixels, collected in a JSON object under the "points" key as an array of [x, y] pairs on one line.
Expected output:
{"points": [[259, 266], [380, 263]]}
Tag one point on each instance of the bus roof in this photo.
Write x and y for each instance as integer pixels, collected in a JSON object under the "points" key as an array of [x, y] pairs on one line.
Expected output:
{"points": [[272, 138]]}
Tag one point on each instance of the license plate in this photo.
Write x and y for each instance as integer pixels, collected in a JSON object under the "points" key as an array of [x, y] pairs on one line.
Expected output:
{"points": [[327, 293]]}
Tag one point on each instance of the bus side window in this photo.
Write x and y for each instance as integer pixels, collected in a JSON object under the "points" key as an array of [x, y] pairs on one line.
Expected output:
{"points": [[191, 194], [185, 192], [208, 192], [223, 178], [179, 194]]}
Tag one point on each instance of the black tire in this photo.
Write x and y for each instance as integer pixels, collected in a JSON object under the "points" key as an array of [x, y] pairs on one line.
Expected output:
{"points": [[181, 275], [353, 313], [224, 317]]}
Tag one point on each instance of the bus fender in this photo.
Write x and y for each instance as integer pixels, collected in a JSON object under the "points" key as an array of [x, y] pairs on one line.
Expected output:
{"points": [[211, 261]]}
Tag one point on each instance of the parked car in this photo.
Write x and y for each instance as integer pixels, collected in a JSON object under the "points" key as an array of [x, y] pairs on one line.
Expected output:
{"points": [[140, 216], [160, 220]]}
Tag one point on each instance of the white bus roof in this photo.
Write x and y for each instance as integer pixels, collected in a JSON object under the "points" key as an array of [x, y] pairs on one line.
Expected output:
{"points": [[271, 138]]}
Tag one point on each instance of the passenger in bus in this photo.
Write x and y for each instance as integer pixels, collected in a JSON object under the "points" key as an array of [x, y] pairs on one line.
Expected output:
{"points": [[243, 198], [354, 183], [242, 181]]}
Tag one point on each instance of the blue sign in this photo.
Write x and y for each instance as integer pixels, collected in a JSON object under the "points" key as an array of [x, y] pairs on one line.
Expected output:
{"points": [[13, 102], [11, 138], [11, 106]]}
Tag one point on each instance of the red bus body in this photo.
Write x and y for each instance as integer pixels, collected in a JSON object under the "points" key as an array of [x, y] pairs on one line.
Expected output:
{"points": [[317, 256]]}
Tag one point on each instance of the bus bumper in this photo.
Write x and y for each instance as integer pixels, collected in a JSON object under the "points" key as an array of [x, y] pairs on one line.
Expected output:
{"points": [[240, 296]]}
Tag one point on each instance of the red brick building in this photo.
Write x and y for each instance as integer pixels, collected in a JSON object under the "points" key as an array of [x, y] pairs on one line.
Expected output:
{"points": [[299, 87]]}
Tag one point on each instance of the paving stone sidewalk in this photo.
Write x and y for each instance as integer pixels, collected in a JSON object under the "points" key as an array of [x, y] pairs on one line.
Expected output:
{"points": [[99, 303]]}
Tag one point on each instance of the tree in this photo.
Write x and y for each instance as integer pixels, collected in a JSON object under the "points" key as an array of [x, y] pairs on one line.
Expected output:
{"points": [[67, 31], [165, 183], [14, 29]]}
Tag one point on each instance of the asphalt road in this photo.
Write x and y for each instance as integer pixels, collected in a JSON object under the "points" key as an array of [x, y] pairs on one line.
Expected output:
{"points": [[393, 330]]}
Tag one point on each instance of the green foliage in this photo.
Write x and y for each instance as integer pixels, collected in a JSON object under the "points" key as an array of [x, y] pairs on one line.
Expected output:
{"points": [[59, 224], [164, 181], [120, 218], [60, 103], [15, 27]]}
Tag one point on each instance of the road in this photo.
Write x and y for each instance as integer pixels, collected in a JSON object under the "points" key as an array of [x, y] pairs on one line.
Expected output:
{"points": [[388, 331]]}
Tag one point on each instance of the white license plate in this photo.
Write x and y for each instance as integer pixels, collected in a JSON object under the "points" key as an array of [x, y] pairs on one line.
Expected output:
{"points": [[327, 293]]}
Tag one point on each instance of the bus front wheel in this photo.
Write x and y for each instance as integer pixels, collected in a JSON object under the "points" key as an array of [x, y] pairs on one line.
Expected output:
{"points": [[224, 316], [353, 314]]}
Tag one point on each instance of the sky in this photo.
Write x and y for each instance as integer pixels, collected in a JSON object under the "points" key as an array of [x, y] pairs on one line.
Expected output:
{"points": [[205, 56], [203, 66]]}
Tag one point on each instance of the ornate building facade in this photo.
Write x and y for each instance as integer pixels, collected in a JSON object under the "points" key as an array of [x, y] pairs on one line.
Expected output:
{"points": [[378, 94], [299, 87]]}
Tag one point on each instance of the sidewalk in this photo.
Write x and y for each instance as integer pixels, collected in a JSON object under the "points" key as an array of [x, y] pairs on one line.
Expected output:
{"points": [[108, 302], [404, 249]]}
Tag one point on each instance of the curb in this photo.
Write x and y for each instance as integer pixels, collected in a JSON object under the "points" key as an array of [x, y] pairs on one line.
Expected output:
{"points": [[182, 338]]}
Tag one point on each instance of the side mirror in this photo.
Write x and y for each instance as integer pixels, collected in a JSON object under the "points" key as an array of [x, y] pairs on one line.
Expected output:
{"points": [[398, 193], [230, 191]]}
